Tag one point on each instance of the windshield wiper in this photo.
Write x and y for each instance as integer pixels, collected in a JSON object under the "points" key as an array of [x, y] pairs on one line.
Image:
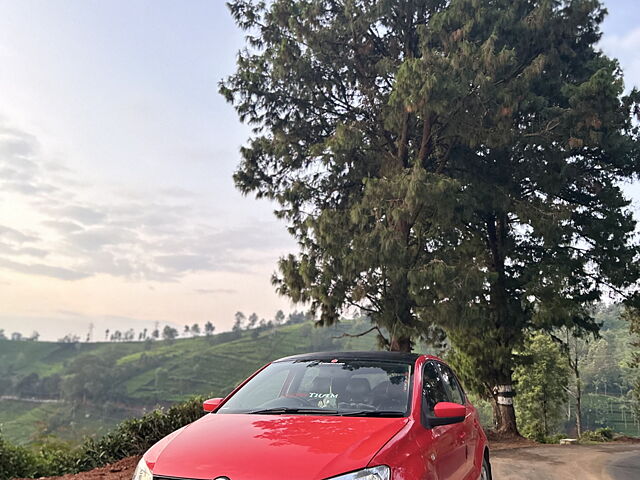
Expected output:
{"points": [[280, 410], [373, 413]]}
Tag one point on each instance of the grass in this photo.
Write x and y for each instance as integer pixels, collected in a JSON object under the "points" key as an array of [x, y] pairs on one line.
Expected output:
{"points": [[155, 373]]}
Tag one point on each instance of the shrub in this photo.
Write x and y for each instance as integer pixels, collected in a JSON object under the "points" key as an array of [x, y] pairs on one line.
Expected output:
{"points": [[131, 437], [135, 436], [15, 461], [600, 435], [553, 439]]}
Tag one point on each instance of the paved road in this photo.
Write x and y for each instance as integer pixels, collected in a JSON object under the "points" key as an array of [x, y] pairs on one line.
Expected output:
{"points": [[568, 462], [625, 467]]}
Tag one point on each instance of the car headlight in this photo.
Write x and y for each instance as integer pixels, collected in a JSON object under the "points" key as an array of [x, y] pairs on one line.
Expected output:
{"points": [[381, 472], [142, 471]]}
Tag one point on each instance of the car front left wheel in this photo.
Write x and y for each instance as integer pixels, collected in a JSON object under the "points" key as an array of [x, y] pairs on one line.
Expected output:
{"points": [[485, 473]]}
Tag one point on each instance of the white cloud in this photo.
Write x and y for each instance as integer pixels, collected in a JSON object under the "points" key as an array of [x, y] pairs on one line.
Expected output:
{"points": [[86, 230]]}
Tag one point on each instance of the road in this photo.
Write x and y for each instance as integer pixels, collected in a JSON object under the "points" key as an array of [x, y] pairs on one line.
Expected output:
{"points": [[568, 462]]}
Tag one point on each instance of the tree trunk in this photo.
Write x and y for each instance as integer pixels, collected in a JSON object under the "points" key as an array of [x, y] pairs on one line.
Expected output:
{"points": [[578, 405], [509, 428], [574, 363], [504, 410], [503, 392], [401, 344], [497, 418]]}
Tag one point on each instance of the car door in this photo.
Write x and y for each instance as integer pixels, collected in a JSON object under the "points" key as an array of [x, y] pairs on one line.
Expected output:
{"points": [[448, 448], [467, 434]]}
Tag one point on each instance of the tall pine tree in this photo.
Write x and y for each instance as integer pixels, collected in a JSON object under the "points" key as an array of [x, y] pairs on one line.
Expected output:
{"points": [[447, 164]]}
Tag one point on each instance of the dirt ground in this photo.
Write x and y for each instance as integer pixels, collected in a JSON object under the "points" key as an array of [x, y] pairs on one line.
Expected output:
{"points": [[121, 470], [612, 461]]}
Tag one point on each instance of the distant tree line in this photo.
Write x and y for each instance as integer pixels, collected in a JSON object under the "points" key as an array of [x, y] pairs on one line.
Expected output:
{"points": [[98, 378], [169, 333], [17, 336]]}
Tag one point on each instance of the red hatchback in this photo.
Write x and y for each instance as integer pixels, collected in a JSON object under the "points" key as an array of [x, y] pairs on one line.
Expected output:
{"points": [[338, 416]]}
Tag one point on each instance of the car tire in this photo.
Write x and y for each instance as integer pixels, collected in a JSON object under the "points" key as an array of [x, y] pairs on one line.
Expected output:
{"points": [[485, 473]]}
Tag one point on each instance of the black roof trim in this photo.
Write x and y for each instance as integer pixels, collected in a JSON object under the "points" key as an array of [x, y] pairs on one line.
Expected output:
{"points": [[367, 355]]}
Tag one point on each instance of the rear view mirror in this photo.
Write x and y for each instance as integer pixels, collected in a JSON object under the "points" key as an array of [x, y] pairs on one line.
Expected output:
{"points": [[447, 413], [212, 404]]}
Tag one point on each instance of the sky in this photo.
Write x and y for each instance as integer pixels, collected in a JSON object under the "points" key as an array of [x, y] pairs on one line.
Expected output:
{"points": [[117, 206]]}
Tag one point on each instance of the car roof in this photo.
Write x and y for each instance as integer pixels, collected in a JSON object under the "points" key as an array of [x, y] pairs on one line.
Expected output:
{"points": [[366, 355]]}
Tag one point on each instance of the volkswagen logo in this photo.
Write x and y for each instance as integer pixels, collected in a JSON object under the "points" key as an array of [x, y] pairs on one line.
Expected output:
{"points": [[221, 478]]}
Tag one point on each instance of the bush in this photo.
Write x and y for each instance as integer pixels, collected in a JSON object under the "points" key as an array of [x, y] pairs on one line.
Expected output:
{"points": [[135, 436], [131, 437], [553, 439], [15, 461], [600, 435]]}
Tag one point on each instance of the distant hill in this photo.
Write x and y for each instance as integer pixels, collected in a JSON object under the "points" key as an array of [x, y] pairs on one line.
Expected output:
{"points": [[98, 384], [70, 390]]}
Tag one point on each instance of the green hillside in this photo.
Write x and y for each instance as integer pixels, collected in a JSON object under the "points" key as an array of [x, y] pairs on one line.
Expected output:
{"points": [[83, 389], [99, 384]]}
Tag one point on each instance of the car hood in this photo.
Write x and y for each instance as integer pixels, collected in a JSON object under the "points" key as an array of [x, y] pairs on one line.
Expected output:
{"points": [[267, 447]]}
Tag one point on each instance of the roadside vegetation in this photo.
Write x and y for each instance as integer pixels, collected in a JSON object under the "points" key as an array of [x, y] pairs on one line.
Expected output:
{"points": [[452, 170], [94, 386], [74, 431], [131, 437]]}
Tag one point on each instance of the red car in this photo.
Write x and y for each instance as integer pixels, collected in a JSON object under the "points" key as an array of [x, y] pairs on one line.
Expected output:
{"points": [[338, 416]]}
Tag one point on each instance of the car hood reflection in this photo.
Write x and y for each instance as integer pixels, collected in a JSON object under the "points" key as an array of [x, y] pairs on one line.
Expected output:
{"points": [[264, 447]]}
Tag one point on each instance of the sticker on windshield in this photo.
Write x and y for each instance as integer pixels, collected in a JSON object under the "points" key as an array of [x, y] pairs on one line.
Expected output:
{"points": [[325, 399], [322, 395]]}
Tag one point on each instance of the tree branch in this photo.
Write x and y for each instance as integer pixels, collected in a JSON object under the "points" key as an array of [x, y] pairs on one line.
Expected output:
{"points": [[356, 335], [425, 143]]}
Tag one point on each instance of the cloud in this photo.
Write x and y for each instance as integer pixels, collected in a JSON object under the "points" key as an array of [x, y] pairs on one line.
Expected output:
{"points": [[95, 238], [86, 230], [213, 291], [184, 263], [17, 144], [82, 214], [43, 270], [15, 236], [19, 170], [63, 227], [17, 243]]}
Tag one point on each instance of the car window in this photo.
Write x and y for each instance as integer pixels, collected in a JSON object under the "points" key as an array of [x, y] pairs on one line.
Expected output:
{"points": [[433, 390], [451, 385], [335, 385], [263, 389]]}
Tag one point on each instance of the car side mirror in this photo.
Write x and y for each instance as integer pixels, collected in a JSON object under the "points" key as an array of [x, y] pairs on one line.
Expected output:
{"points": [[212, 404], [447, 413]]}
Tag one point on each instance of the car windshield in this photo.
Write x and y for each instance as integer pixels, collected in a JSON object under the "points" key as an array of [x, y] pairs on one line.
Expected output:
{"points": [[331, 387]]}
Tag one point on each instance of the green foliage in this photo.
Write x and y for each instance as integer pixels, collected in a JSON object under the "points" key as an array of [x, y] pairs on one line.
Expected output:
{"points": [[600, 435], [131, 437], [613, 411], [169, 333], [541, 380], [33, 422], [552, 439], [449, 165], [92, 378], [632, 315], [15, 461], [135, 436], [108, 382]]}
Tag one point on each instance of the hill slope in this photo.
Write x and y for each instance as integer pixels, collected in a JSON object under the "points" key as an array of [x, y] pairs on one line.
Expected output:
{"points": [[99, 384]]}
